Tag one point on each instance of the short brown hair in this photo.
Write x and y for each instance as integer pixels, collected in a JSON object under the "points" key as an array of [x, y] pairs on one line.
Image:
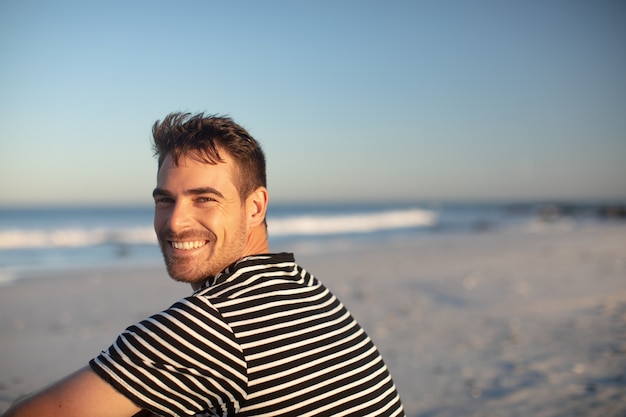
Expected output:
{"points": [[183, 134]]}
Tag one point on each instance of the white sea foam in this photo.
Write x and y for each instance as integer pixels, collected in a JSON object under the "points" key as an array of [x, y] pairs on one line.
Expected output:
{"points": [[73, 237], [303, 225], [350, 223]]}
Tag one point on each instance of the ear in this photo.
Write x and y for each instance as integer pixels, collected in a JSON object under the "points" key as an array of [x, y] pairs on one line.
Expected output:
{"points": [[256, 206]]}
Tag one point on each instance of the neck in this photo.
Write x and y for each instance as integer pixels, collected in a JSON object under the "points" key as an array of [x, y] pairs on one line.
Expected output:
{"points": [[256, 244], [257, 241]]}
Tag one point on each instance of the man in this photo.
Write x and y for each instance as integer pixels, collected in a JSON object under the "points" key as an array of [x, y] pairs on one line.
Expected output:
{"points": [[258, 336]]}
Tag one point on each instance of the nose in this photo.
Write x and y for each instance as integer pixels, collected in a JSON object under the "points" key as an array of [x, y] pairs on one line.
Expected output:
{"points": [[179, 217]]}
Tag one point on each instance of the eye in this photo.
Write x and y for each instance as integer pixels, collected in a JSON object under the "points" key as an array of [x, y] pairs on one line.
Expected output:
{"points": [[204, 199], [163, 200]]}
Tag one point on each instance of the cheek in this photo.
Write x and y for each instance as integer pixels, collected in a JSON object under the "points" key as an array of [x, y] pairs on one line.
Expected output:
{"points": [[158, 220], [224, 230], [161, 219]]}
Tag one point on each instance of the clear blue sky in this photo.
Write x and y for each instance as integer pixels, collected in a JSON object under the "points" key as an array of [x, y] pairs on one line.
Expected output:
{"points": [[373, 100]]}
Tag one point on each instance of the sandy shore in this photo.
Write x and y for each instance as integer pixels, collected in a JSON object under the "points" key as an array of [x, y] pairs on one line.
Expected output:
{"points": [[490, 324]]}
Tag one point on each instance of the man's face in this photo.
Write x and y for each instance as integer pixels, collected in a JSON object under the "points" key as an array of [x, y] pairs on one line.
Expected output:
{"points": [[199, 218]]}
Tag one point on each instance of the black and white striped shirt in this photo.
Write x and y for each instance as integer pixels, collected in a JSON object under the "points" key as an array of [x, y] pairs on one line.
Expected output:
{"points": [[264, 338]]}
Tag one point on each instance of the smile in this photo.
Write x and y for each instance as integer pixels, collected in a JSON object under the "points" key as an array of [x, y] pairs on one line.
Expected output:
{"points": [[188, 245]]}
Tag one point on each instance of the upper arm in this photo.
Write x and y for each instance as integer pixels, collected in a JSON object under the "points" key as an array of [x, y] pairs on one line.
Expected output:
{"points": [[80, 394]]}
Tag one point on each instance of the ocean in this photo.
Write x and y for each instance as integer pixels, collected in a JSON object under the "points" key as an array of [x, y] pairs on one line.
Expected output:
{"points": [[59, 238]]}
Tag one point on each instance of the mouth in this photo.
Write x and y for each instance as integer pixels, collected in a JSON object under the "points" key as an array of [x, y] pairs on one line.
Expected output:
{"points": [[188, 245]]}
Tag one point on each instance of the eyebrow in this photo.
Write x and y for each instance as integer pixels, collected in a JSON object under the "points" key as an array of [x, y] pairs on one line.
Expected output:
{"points": [[193, 191]]}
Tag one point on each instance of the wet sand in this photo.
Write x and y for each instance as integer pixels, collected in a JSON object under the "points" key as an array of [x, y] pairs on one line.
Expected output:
{"points": [[485, 324]]}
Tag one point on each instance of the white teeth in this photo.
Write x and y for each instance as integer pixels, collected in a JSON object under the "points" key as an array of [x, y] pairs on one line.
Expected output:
{"points": [[188, 245]]}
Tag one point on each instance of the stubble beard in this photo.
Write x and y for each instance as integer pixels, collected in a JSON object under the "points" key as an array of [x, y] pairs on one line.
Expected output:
{"points": [[196, 271]]}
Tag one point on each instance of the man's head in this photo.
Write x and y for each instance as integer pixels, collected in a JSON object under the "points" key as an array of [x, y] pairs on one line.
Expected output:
{"points": [[210, 199], [205, 138]]}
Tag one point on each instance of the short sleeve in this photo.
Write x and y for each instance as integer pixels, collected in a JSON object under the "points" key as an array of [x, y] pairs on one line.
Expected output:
{"points": [[184, 361]]}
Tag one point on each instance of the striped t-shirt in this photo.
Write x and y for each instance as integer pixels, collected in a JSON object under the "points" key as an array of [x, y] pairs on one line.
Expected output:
{"points": [[263, 338]]}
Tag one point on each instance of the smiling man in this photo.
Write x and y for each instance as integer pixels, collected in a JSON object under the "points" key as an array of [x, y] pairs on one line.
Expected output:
{"points": [[259, 335], [202, 223]]}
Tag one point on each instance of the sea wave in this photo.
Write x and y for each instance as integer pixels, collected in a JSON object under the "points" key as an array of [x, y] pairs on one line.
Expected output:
{"points": [[290, 226], [351, 223], [74, 237]]}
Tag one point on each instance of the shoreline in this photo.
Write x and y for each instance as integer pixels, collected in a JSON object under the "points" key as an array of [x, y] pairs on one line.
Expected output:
{"points": [[496, 323]]}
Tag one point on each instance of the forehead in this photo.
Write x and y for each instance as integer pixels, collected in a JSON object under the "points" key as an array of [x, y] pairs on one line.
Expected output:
{"points": [[190, 171]]}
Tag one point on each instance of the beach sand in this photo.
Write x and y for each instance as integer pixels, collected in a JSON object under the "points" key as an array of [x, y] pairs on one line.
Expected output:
{"points": [[488, 324]]}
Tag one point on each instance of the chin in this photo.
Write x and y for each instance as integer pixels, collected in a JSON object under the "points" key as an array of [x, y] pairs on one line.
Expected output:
{"points": [[195, 283], [179, 272]]}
